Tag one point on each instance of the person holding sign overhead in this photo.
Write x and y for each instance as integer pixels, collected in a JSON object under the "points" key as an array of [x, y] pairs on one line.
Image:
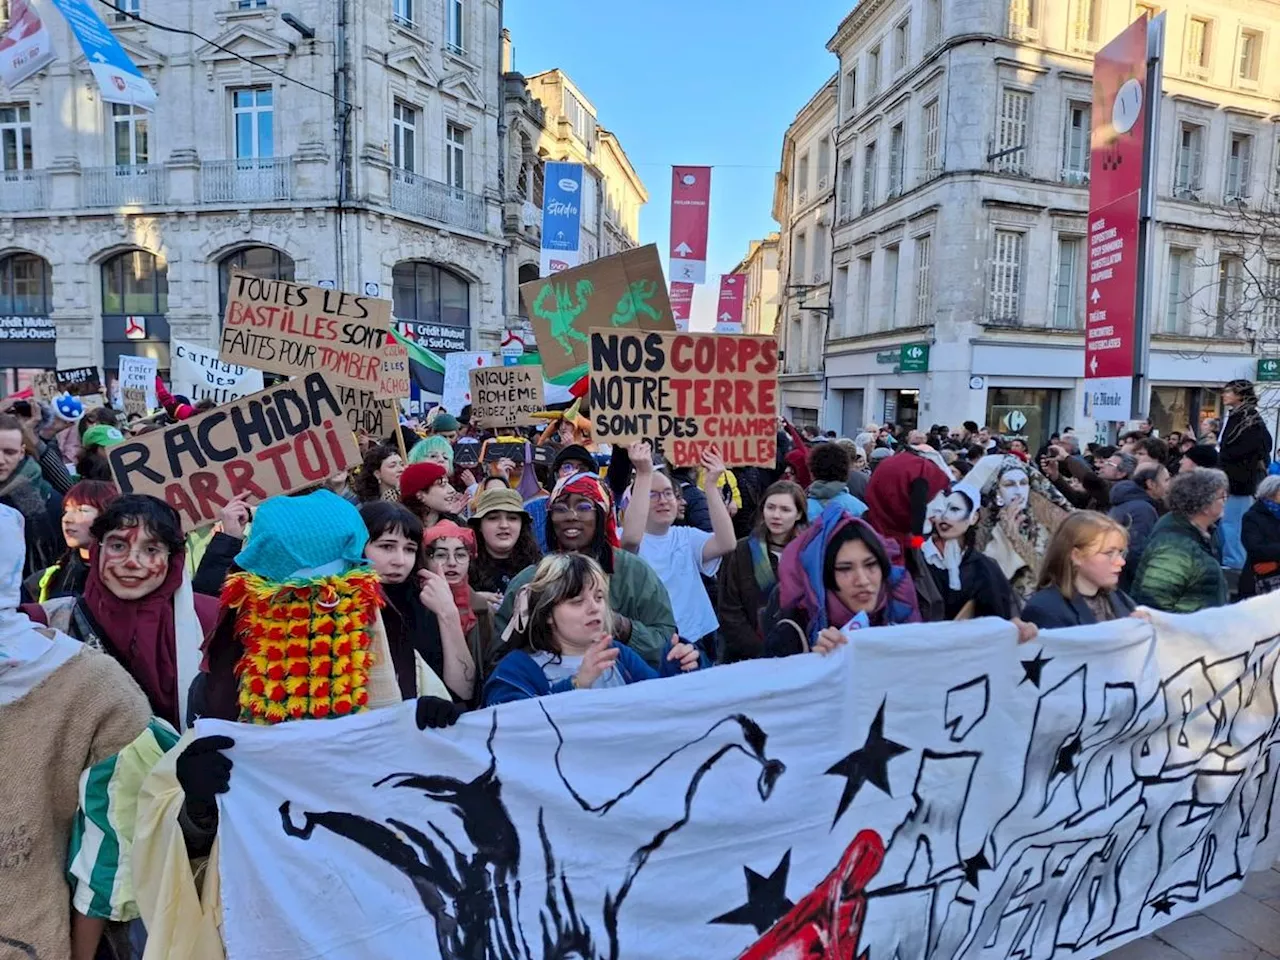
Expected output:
{"points": [[581, 520]]}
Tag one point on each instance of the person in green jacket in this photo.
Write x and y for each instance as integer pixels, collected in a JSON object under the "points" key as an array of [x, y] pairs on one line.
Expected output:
{"points": [[581, 520], [1180, 570]]}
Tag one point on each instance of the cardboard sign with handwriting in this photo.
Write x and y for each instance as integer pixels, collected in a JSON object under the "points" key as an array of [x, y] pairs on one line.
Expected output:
{"points": [[280, 440], [395, 371], [625, 291], [134, 401], [79, 381], [686, 392], [366, 413], [296, 329], [506, 396]]}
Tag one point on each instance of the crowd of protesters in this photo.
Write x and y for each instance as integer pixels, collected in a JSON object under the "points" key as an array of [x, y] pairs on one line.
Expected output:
{"points": [[463, 570]]}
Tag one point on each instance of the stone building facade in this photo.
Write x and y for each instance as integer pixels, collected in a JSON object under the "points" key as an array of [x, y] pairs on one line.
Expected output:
{"points": [[760, 267], [366, 157]]}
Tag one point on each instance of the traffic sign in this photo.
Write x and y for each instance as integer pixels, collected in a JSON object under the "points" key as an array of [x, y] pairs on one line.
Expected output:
{"points": [[913, 358], [1268, 370]]}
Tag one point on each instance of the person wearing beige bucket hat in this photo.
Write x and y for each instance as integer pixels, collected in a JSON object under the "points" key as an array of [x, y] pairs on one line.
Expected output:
{"points": [[504, 541]]}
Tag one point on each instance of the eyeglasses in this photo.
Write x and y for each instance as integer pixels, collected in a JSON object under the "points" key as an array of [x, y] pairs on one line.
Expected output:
{"points": [[583, 508], [444, 556], [657, 496]]}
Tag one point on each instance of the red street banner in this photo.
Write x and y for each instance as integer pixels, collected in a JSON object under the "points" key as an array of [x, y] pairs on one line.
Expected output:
{"points": [[690, 211], [1115, 193], [681, 304], [733, 292]]}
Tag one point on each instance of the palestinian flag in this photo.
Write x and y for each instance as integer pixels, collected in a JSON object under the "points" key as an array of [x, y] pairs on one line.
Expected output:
{"points": [[426, 369]]}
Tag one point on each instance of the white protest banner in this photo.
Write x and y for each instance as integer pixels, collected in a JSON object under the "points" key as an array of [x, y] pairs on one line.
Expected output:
{"points": [[197, 374], [929, 792], [457, 377], [140, 373]]}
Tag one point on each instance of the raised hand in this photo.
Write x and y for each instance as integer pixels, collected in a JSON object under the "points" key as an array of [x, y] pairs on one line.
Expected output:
{"points": [[685, 654], [829, 641], [714, 466], [597, 661], [641, 456]]}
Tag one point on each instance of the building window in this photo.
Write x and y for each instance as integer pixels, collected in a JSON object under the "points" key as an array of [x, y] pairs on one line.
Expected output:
{"points": [[1011, 142], [582, 122], [1196, 61], [1230, 290], [923, 287], [404, 137], [250, 4], [868, 176], [455, 156], [802, 178], [1085, 27], [1189, 168], [254, 118], [1067, 298], [873, 72], [851, 89], [820, 259], [839, 292], [15, 136], [1024, 20], [1239, 167], [1004, 298], [402, 12], [1179, 293], [932, 22], [897, 159], [901, 45], [265, 262], [866, 323], [129, 135], [135, 283], [1076, 148], [1250, 56], [892, 257], [824, 163], [1271, 300], [26, 282], [426, 293], [456, 26], [126, 7], [932, 141], [846, 189], [800, 257]]}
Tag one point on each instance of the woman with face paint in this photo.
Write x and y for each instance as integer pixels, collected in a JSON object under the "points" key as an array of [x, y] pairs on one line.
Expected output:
{"points": [[581, 520], [138, 605], [81, 505], [1080, 577], [749, 575], [971, 584]]}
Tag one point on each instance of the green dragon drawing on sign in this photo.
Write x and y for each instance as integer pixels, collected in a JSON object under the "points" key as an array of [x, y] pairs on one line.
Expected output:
{"points": [[564, 311], [635, 301]]}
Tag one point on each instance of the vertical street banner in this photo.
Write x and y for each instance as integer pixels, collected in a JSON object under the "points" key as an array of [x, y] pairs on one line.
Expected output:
{"points": [[119, 80], [681, 304], [690, 215], [561, 217], [26, 46], [1116, 170], [984, 801], [733, 291]]}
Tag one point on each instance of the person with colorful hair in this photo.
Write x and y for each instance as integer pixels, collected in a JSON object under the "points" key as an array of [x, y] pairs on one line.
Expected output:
{"points": [[81, 506], [432, 450], [581, 520], [835, 577]]}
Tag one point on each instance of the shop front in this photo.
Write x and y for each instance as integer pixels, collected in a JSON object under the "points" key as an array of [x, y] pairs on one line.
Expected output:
{"points": [[901, 408], [135, 301], [1024, 413], [27, 334], [1183, 408]]}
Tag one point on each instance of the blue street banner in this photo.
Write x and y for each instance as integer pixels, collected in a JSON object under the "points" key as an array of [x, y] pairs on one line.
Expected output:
{"points": [[561, 217], [118, 79]]}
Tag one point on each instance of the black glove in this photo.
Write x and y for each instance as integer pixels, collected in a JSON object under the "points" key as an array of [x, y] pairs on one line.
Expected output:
{"points": [[436, 713], [204, 771]]}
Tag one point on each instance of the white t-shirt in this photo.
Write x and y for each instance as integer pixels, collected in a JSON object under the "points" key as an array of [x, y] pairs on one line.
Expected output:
{"points": [[677, 558]]}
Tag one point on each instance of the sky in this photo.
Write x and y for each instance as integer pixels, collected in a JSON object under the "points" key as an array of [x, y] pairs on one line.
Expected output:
{"points": [[699, 82]]}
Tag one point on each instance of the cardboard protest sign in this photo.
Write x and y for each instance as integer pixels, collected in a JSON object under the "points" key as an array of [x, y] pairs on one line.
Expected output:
{"points": [[197, 374], [44, 386], [394, 383], [625, 291], [134, 402], [367, 413], [506, 396], [79, 381], [276, 441], [140, 373], [496, 450], [686, 392], [457, 377], [296, 329]]}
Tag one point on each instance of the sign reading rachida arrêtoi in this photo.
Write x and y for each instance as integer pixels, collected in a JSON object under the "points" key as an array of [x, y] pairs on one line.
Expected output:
{"points": [[296, 329], [277, 441], [687, 392], [506, 396], [625, 291]]}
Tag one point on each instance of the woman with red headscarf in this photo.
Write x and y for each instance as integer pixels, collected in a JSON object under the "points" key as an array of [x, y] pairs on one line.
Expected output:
{"points": [[580, 519]]}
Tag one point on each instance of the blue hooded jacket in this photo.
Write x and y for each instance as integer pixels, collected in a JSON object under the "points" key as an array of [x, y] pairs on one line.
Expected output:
{"points": [[518, 676]]}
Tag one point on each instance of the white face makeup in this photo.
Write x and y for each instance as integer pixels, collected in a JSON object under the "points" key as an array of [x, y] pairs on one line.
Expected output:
{"points": [[956, 517], [1014, 490]]}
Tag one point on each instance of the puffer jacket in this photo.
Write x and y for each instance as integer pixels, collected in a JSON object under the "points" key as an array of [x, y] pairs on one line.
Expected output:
{"points": [[1179, 572]]}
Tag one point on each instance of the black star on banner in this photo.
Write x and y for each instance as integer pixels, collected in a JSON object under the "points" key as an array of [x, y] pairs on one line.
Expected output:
{"points": [[1033, 668], [974, 866], [867, 764], [767, 899], [1067, 755], [1162, 905]]}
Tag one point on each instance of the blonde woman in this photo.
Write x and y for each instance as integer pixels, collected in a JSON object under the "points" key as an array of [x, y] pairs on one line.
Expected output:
{"points": [[1080, 576], [562, 638]]}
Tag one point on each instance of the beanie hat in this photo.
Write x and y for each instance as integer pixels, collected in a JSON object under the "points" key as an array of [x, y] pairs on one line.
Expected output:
{"points": [[575, 453], [102, 435], [447, 528], [1203, 455], [418, 477], [443, 423], [304, 535], [491, 501]]}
